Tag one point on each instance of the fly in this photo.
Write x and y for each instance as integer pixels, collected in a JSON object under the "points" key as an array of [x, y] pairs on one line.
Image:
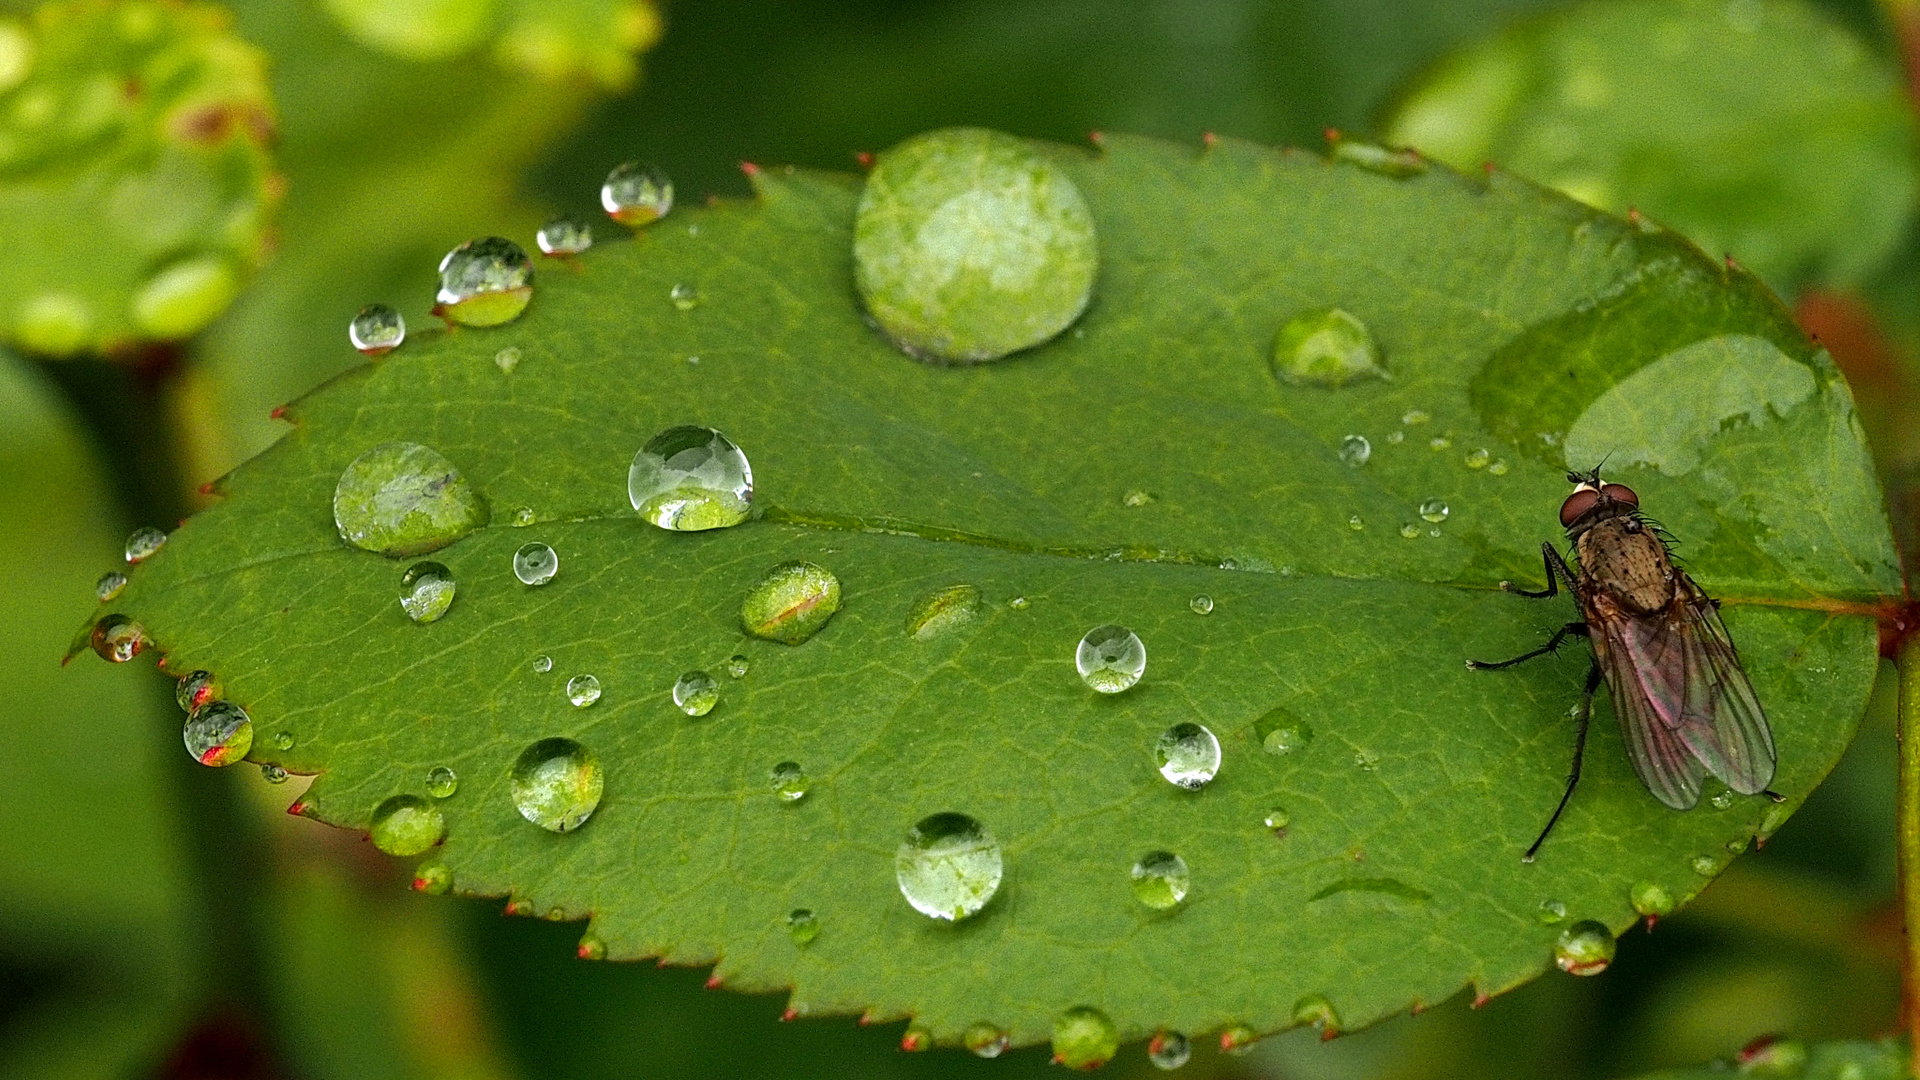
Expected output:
{"points": [[1685, 705]]}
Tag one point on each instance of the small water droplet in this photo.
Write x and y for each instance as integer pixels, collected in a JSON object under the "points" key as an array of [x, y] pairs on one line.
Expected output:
{"points": [[1585, 948], [1160, 880], [1316, 1010], [1552, 911], [401, 498], [1110, 658], [948, 867], [1019, 603], [696, 693], [406, 825], [426, 591], [1705, 865], [789, 781], [484, 282], [943, 610], [442, 782], [1498, 468], [583, 690], [273, 774], [535, 563], [1168, 1050], [110, 585], [1434, 510], [1440, 442], [803, 926], [791, 603], [143, 543], [1355, 450], [433, 878], [636, 194], [195, 689], [1237, 1040], [507, 359], [1188, 755], [590, 948], [218, 733], [1409, 530], [283, 740], [117, 638], [691, 478], [738, 666], [1415, 416], [524, 516], [1722, 800], [1083, 1038], [1478, 459], [564, 236], [986, 1040], [1651, 899], [377, 330], [556, 784], [543, 664], [683, 296], [1201, 604], [1327, 347]]}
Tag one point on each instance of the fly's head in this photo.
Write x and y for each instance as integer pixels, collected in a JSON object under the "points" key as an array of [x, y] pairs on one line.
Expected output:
{"points": [[1594, 501]]}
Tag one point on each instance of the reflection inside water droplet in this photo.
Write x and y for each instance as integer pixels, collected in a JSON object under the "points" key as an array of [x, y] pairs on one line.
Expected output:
{"points": [[948, 867], [556, 784], [1188, 755], [1110, 658], [689, 478], [1160, 880]]}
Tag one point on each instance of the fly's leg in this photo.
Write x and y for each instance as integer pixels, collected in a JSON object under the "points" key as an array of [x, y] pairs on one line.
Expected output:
{"points": [[1579, 752], [1555, 566], [1552, 645]]}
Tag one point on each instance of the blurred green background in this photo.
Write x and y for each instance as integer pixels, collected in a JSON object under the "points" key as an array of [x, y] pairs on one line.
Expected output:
{"points": [[161, 919]]}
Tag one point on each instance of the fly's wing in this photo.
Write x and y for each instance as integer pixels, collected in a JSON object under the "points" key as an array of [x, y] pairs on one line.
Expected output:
{"points": [[1737, 745], [1624, 645]]}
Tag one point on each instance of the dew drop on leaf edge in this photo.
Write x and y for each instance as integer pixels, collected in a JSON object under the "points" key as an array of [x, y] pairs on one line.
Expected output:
{"points": [[556, 784], [948, 866], [1188, 755], [690, 479], [218, 733], [1084, 1038], [1110, 658]]}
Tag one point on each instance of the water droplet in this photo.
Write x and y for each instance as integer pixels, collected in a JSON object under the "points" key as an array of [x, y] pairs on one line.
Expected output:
{"points": [[1019, 603], [117, 638], [690, 478], [1083, 1038], [1498, 468], [636, 194], [1434, 510], [1282, 733], [433, 878], [948, 867], [1440, 442], [986, 1040], [442, 782], [535, 563], [1722, 800], [283, 740], [1552, 911], [737, 666], [803, 926], [1168, 1050], [583, 690], [1316, 1010], [683, 296], [696, 693], [1355, 450], [273, 774], [968, 245], [110, 585], [1409, 530], [406, 825], [543, 664], [789, 781], [143, 543], [426, 591], [1327, 347], [1478, 459], [1277, 819], [1201, 605], [1355, 523], [1110, 658], [507, 359], [556, 784], [484, 282], [943, 610], [1160, 880], [1415, 416], [218, 733], [1188, 755], [791, 603], [1585, 948], [591, 947], [523, 517], [1651, 899], [1237, 1040], [401, 498], [1705, 865], [195, 689], [377, 330], [564, 236]]}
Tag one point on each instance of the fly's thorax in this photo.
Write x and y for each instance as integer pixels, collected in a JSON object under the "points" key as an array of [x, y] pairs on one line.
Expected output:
{"points": [[1622, 558]]}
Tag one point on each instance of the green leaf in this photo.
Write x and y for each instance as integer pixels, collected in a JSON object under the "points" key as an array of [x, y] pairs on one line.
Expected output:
{"points": [[1762, 129], [135, 185], [1851, 1059], [1145, 457], [596, 40]]}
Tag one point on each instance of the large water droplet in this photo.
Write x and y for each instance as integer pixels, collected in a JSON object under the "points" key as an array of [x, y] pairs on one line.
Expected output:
{"points": [[1083, 1038], [696, 693], [218, 733], [535, 563], [401, 498], [789, 781], [691, 478], [406, 825], [1434, 510], [442, 782], [1168, 1050], [426, 591], [117, 638], [948, 867], [195, 689], [636, 194], [1355, 450], [791, 603], [484, 282], [1585, 948], [1188, 755], [110, 585], [1316, 1010], [564, 236], [986, 1040], [377, 330], [144, 542], [1236, 1040], [583, 690], [1651, 899], [968, 246], [1327, 347], [803, 925], [1110, 658], [944, 610], [1160, 880], [556, 784], [1201, 604]]}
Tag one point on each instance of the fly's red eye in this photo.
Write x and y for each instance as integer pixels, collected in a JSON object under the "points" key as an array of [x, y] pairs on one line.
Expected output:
{"points": [[1621, 493], [1577, 504]]}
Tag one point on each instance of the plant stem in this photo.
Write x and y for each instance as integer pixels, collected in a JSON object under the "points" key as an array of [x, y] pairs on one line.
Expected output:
{"points": [[1908, 828]]}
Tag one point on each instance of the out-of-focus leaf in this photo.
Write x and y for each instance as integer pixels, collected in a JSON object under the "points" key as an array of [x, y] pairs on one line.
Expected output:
{"points": [[596, 40]]}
